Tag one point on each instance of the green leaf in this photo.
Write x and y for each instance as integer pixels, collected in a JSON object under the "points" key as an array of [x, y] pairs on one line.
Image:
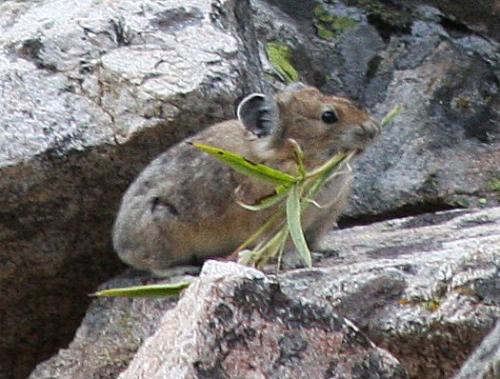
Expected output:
{"points": [[293, 209], [281, 249], [246, 167], [270, 249], [261, 231], [151, 290], [265, 203], [389, 117], [324, 173], [299, 157], [329, 166]]}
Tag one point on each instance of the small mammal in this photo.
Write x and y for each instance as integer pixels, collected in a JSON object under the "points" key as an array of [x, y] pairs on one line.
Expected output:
{"points": [[182, 206]]}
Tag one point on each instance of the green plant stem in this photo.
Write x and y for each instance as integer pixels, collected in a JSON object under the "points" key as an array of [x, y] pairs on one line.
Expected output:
{"points": [[271, 248], [293, 212], [269, 223], [329, 165], [326, 173], [281, 249]]}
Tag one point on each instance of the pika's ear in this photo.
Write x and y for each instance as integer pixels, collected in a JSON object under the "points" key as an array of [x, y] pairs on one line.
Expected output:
{"points": [[259, 114]]}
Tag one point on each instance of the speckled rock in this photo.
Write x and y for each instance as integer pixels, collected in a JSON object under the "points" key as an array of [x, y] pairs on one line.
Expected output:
{"points": [[442, 150], [90, 92], [485, 362], [109, 336], [483, 16], [424, 288], [235, 322]]}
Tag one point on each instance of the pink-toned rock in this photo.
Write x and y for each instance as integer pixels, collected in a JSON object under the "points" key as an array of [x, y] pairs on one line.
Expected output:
{"points": [[235, 322]]}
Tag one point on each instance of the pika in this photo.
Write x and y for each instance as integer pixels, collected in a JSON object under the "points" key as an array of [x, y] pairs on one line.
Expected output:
{"points": [[182, 207]]}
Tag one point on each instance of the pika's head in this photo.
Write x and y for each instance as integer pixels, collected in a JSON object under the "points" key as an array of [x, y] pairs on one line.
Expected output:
{"points": [[322, 125]]}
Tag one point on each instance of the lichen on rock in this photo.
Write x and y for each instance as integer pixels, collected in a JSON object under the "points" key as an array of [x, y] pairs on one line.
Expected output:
{"points": [[328, 25], [281, 57]]}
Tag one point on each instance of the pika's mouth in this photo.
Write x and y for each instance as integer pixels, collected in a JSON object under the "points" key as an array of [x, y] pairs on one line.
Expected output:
{"points": [[370, 128]]}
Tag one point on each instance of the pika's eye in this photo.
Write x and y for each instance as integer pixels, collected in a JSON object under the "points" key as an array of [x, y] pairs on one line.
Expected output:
{"points": [[329, 117]]}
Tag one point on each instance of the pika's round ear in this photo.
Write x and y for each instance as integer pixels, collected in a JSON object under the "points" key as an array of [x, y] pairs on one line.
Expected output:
{"points": [[259, 114]]}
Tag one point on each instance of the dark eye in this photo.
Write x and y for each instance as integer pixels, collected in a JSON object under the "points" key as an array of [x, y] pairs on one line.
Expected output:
{"points": [[329, 117]]}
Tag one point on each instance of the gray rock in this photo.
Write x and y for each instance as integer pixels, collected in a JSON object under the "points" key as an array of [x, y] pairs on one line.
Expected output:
{"points": [[485, 362], [442, 150], [483, 16], [424, 288], [90, 92], [110, 334], [237, 323]]}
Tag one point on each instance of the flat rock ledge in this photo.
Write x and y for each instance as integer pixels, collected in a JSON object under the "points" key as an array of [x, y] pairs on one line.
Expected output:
{"points": [[422, 291], [425, 288], [234, 322]]}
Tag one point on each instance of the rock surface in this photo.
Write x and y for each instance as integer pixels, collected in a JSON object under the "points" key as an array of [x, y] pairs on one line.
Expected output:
{"points": [[425, 288], [234, 322], [109, 336], [485, 362], [483, 17], [92, 90], [442, 151]]}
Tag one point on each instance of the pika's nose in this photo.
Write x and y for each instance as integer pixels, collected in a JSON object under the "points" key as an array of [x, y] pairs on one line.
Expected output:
{"points": [[371, 128]]}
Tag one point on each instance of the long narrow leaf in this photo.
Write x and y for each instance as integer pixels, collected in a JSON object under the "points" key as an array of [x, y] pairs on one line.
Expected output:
{"points": [[261, 231], [299, 157], [151, 290], [389, 117], [244, 166], [281, 249], [272, 247], [293, 210], [327, 170], [265, 203], [329, 166]]}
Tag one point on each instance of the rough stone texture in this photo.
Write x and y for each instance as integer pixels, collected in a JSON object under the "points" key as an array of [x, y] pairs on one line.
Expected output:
{"points": [[110, 334], [236, 323], [485, 362], [90, 92], [427, 288], [442, 151], [483, 17]]}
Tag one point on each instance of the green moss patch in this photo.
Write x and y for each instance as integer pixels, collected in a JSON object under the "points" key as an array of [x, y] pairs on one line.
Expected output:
{"points": [[329, 26], [281, 56], [494, 185]]}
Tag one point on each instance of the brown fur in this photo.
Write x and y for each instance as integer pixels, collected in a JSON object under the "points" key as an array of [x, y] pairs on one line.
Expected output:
{"points": [[183, 204]]}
